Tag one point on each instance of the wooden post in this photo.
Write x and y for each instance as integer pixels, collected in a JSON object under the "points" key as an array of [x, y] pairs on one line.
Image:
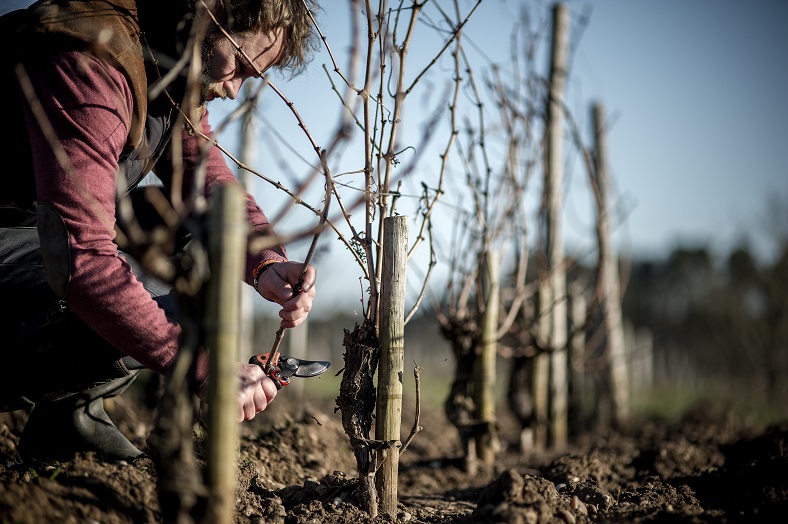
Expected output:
{"points": [[554, 309], [644, 344], [296, 347], [611, 294], [484, 374], [392, 354], [227, 233], [540, 385], [577, 357]]}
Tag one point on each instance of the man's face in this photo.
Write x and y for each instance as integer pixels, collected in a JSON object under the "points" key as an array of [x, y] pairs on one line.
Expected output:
{"points": [[225, 68]]}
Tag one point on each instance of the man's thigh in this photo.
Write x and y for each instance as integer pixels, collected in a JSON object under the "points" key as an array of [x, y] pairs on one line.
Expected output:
{"points": [[23, 284]]}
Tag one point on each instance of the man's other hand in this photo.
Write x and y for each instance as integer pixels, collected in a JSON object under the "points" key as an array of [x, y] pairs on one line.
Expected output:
{"points": [[276, 285]]}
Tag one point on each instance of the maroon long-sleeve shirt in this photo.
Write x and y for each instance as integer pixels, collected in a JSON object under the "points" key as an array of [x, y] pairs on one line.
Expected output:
{"points": [[88, 105]]}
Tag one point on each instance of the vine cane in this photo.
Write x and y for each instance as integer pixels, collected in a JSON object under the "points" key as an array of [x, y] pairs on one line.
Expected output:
{"points": [[273, 358]]}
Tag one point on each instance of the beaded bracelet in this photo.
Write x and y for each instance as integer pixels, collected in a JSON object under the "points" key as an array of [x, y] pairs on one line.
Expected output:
{"points": [[259, 270]]}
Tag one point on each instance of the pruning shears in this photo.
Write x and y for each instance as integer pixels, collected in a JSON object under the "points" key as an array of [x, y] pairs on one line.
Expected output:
{"points": [[282, 368]]}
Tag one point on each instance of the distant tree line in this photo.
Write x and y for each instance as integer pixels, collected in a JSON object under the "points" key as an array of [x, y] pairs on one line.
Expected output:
{"points": [[725, 316]]}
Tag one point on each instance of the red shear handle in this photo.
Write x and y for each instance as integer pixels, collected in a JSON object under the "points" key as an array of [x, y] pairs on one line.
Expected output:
{"points": [[274, 373], [262, 360], [278, 379]]}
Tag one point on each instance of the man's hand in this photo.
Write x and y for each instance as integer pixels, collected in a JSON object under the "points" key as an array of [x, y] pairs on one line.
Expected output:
{"points": [[255, 391], [276, 284]]}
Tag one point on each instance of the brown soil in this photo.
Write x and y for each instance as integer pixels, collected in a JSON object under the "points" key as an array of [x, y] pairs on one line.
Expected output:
{"points": [[296, 467]]}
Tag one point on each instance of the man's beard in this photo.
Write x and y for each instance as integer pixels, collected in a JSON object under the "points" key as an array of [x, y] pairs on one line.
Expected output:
{"points": [[205, 79], [207, 86]]}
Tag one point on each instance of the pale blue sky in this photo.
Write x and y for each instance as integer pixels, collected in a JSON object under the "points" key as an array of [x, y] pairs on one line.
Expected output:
{"points": [[696, 93], [695, 90], [699, 87]]}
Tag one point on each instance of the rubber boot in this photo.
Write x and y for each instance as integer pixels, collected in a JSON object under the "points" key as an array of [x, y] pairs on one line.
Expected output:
{"points": [[57, 430]]}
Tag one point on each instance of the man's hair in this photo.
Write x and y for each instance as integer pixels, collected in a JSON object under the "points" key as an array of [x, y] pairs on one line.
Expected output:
{"points": [[293, 16]]}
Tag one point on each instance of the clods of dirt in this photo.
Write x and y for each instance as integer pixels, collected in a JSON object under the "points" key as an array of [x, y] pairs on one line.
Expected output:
{"points": [[296, 466]]}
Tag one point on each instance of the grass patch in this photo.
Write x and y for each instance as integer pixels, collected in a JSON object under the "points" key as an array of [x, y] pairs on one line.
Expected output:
{"points": [[670, 404]]}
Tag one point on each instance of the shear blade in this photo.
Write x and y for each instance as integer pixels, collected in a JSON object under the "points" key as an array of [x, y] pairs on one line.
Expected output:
{"points": [[304, 368]]}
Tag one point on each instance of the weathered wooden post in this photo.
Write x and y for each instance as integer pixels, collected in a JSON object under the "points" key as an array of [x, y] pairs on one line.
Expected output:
{"points": [[392, 355], [611, 291], [552, 289], [484, 374], [578, 403], [644, 344], [297, 347], [227, 235]]}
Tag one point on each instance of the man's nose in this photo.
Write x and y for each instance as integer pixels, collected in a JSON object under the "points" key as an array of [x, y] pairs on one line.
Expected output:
{"points": [[233, 87]]}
